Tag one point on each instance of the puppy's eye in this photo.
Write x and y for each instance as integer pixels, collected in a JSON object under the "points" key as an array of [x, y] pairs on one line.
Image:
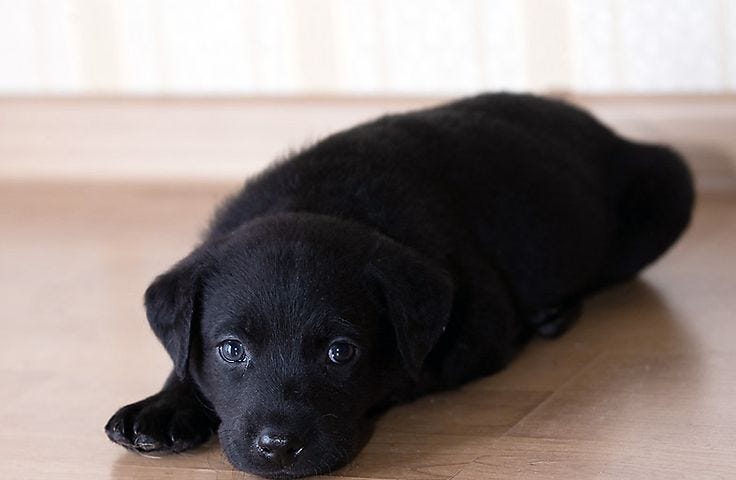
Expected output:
{"points": [[341, 352], [232, 351]]}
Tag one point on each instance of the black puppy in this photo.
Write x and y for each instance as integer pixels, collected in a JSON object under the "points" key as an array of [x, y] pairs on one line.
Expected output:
{"points": [[409, 254]]}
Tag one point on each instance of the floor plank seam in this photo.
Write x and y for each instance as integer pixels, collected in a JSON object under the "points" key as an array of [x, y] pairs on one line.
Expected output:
{"points": [[541, 404], [552, 395]]}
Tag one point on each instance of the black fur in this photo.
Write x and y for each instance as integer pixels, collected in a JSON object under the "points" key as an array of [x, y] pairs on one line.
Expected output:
{"points": [[435, 241]]}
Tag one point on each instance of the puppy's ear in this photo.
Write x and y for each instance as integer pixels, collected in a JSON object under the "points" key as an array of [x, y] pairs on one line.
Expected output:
{"points": [[418, 297], [170, 307]]}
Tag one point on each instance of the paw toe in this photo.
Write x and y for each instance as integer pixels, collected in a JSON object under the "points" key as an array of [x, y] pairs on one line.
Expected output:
{"points": [[146, 443], [188, 431], [114, 430], [119, 428]]}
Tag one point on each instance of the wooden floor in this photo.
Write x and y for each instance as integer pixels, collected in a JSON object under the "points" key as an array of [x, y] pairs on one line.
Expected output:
{"points": [[643, 387]]}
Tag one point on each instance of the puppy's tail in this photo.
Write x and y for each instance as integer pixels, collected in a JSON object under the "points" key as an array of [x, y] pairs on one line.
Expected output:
{"points": [[654, 207]]}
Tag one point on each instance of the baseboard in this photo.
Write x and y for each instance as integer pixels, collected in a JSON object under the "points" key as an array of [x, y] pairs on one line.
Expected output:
{"points": [[225, 139]]}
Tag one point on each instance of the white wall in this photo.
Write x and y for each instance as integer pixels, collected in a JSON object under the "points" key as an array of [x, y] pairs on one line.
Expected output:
{"points": [[365, 46]]}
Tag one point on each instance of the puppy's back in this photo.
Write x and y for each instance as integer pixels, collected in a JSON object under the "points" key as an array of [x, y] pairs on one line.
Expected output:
{"points": [[537, 187]]}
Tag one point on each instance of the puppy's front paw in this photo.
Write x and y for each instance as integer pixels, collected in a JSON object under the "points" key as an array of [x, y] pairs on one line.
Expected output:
{"points": [[163, 423]]}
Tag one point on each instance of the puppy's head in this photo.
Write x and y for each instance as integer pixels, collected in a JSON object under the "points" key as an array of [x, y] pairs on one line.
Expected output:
{"points": [[299, 329]]}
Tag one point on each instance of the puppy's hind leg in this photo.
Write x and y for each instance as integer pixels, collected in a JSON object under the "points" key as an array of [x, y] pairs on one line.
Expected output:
{"points": [[175, 419], [654, 207]]}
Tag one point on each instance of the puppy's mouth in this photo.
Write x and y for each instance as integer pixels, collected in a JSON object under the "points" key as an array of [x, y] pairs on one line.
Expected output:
{"points": [[287, 473], [302, 467], [314, 459]]}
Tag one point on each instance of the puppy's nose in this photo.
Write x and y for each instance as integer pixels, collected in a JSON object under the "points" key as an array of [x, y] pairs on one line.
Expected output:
{"points": [[280, 448]]}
